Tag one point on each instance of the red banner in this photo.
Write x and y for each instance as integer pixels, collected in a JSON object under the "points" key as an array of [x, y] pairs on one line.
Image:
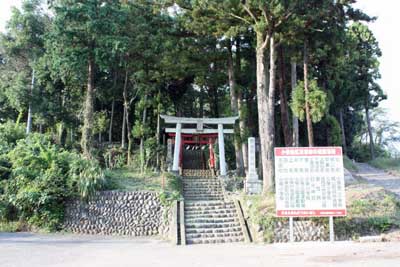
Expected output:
{"points": [[310, 213], [308, 151]]}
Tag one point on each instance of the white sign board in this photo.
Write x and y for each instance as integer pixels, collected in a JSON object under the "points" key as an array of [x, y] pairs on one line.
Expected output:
{"points": [[309, 182]]}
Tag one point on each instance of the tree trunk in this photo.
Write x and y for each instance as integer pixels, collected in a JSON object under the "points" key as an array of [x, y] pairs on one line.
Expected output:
{"points": [[201, 102], [158, 133], [295, 120], [29, 119], [265, 113], [241, 107], [344, 144], [126, 119], [144, 118], [306, 93], [371, 137], [112, 110], [123, 135], [87, 137], [234, 109], [284, 103], [215, 100], [111, 121]]}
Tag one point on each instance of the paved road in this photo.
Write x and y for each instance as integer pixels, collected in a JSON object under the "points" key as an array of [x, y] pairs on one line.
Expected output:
{"points": [[379, 178], [25, 249]]}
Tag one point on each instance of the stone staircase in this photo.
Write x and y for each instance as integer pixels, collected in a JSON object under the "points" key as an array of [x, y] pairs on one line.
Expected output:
{"points": [[209, 218]]}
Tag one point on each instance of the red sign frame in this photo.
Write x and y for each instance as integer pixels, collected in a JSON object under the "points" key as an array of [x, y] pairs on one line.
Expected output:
{"points": [[310, 152]]}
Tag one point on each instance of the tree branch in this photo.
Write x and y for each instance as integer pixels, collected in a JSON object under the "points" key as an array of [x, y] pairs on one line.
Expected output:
{"points": [[286, 17], [266, 41], [249, 11], [241, 18]]}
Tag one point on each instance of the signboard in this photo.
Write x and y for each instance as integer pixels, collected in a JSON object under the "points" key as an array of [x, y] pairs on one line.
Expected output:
{"points": [[309, 182]]}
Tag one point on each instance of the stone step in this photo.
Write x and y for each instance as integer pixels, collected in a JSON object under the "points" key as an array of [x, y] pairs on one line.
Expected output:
{"points": [[200, 178], [206, 194], [214, 240], [210, 220], [204, 198], [211, 225], [196, 193], [208, 203], [209, 206], [210, 230], [203, 184], [207, 212], [210, 214], [202, 190], [202, 187], [214, 235]]}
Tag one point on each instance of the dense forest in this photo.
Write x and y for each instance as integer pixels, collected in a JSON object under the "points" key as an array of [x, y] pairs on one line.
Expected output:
{"points": [[92, 77]]}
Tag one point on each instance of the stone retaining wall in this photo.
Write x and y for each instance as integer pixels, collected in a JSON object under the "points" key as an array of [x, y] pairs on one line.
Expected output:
{"points": [[303, 230], [119, 213]]}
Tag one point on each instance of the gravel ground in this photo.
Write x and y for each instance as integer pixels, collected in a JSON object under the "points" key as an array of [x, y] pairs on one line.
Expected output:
{"points": [[379, 177], [26, 249]]}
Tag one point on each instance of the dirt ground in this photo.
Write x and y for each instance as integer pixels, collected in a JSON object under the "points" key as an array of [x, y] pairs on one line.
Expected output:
{"points": [[378, 177], [26, 249]]}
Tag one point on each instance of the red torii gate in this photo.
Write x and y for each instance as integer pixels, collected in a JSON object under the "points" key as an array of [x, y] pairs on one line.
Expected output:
{"points": [[192, 133], [196, 139]]}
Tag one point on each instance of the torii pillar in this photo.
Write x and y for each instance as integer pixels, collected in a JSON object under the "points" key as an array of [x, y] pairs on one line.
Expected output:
{"points": [[221, 150], [177, 148]]}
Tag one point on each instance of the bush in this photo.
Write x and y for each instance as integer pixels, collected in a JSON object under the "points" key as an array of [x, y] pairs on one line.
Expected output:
{"points": [[86, 176], [361, 153], [10, 133], [114, 157], [43, 176], [173, 190]]}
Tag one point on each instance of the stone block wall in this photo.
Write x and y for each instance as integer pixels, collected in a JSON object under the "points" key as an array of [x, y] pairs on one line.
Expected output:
{"points": [[119, 213], [303, 230]]}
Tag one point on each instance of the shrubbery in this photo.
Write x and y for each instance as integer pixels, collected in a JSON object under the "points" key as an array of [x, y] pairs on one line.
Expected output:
{"points": [[39, 176]]}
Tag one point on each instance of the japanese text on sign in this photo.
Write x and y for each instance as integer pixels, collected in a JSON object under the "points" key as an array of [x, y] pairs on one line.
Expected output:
{"points": [[309, 182]]}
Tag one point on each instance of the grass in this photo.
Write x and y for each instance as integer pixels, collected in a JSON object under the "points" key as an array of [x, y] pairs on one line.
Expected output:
{"points": [[349, 164], [371, 210], [387, 164], [10, 227], [127, 179]]}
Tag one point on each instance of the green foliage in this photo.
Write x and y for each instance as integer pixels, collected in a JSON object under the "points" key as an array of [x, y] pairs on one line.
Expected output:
{"points": [[10, 133], [370, 211], [43, 176], [317, 100], [387, 164], [85, 175], [362, 153], [332, 126], [100, 122], [9, 227], [130, 179], [114, 157], [349, 164]]}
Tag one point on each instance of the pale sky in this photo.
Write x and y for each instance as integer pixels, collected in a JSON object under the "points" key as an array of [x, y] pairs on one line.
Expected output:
{"points": [[386, 30]]}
